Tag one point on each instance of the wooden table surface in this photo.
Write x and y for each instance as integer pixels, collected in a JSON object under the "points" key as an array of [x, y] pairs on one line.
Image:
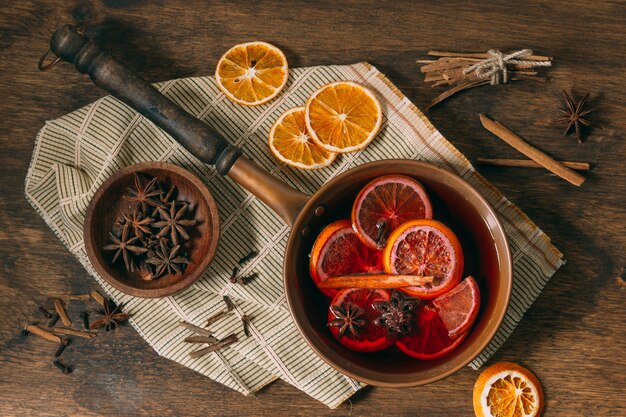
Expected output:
{"points": [[573, 337]]}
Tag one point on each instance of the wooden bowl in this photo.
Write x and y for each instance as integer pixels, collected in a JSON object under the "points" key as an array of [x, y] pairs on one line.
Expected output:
{"points": [[487, 257], [108, 204]]}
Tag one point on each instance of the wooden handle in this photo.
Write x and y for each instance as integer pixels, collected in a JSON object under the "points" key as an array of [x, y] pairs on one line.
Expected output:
{"points": [[124, 84]]}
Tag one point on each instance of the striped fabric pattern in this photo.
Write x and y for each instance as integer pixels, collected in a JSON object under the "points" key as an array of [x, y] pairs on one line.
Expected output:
{"points": [[76, 153]]}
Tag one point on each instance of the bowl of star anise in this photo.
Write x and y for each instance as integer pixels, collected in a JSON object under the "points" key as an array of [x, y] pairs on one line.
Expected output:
{"points": [[151, 229]]}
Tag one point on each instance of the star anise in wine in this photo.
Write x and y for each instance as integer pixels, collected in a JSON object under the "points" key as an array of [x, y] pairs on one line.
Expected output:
{"points": [[124, 246], [138, 223], [112, 316], [143, 194], [348, 319], [574, 115], [397, 314], [167, 260], [173, 223]]}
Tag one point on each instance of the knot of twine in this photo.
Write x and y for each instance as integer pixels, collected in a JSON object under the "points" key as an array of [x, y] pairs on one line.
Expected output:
{"points": [[495, 67]]}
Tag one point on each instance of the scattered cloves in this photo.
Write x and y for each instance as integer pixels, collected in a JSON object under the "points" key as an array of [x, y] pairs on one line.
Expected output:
{"points": [[85, 318], [248, 257], [54, 319], [24, 331], [65, 369], [248, 278], [45, 312], [64, 343]]}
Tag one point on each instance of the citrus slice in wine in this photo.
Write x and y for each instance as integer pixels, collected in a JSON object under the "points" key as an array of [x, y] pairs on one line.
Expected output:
{"points": [[430, 339], [428, 248], [384, 204], [506, 389], [351, 319], [343, 116], [252, 73], [291, 143], [338, 251], [458, 308]]}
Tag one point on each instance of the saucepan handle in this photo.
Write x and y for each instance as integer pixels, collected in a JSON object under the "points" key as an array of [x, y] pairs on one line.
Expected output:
{"points": [[197, 137]]}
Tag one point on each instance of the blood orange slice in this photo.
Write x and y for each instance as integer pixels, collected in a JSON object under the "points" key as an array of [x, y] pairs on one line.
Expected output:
{"points": [[338, 251], [425, 247], [430, 339], [352, 315], [459, 307], [386, 203]]}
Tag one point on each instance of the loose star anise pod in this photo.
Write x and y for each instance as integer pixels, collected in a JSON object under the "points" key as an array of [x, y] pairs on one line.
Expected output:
{"points": [[349, 320], [144, 195], [173, 223], [573, 115], [125, 247], [111, 317], [397, 314], [138, 223], [166, 260]]}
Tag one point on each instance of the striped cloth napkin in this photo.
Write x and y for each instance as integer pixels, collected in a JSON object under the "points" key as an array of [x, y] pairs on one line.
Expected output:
{"points": [[76, 153]]}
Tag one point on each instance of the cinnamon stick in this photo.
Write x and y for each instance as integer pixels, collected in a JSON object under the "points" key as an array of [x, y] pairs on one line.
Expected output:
{"points": [[529, 163], [214, 347], [73, 332], [485, 55], [200, 339], [196, 329], [98, 297], [60, 308], [374, 281], [530, 151], [44, 334]]}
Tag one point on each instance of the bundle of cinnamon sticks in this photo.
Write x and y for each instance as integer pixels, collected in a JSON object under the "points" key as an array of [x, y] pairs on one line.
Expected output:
{"points": [[451, 69]]}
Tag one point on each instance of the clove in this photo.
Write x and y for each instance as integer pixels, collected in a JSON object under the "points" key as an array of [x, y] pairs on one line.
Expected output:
{"points": [[245, 280], [45, 312], [54, 319], [233, 276], [229, 303], [196, 329], [215, 346], [85, 318], [214, 318], [65, 369], [248, 257], [64, 343], [245, 319]]}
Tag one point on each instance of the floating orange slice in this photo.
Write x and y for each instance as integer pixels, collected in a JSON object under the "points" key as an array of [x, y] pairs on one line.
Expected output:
{"points": [[290, 142], [252, 73], [343, 116], [506, 389]]}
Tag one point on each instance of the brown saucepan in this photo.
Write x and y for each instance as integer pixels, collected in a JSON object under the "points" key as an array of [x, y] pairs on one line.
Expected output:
{"points": [[457, 203]]}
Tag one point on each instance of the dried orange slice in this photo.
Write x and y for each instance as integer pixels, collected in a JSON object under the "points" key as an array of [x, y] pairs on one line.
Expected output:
{"points": [[290, 142], [343, 116], [506, 389], [252, 73]]}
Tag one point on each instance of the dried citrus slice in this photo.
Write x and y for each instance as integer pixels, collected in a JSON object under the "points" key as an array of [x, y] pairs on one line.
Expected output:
{"points": [[343, 116], [338, 251], [506, 389], [458, 308], [290, 142], [252, 73], [425, 247], [384, 204]]}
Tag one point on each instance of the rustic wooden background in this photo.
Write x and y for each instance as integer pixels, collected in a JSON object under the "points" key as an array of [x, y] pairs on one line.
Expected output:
{"points": [[574, 336]]}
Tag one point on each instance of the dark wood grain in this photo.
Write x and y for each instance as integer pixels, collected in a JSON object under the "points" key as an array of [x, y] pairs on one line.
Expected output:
{"points": [[574, 336]]}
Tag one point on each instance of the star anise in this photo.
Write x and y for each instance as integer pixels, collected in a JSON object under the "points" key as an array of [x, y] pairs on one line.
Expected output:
{"points": [[112, 316], [397, 314], [573, 115], [124, 246], [349, 320], [143, 194], [138, 223], [173, 223], [165, 198], [166, 260]]}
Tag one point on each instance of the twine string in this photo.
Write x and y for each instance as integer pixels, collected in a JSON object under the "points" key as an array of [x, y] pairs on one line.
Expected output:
{"points": [[495, 67]]}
